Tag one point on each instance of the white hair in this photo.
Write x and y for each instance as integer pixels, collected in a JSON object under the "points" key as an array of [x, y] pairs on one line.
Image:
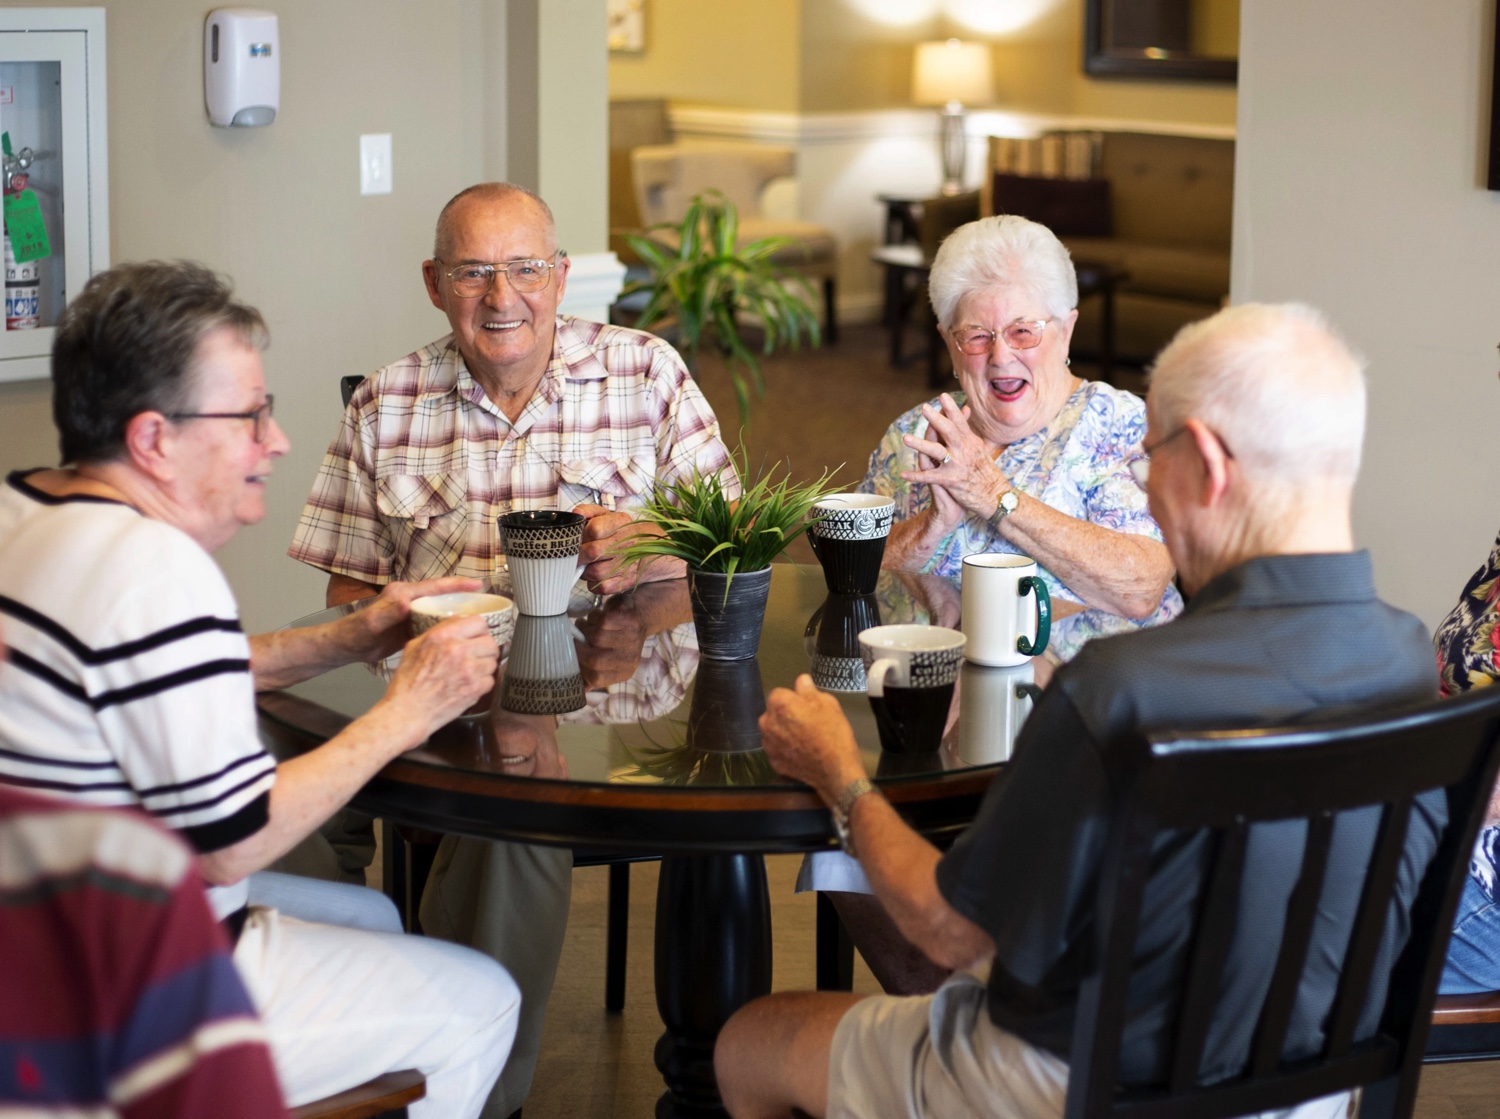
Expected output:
{"points": [[1003, 251], [1276, 383]]}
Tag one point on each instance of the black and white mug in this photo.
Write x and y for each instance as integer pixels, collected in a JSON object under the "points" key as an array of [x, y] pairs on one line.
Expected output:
{"points": [[541, 550], [910, 670], [848, 537]]}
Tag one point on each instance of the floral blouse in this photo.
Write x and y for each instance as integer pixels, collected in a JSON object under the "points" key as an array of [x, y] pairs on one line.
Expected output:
{"points": [[1079, 465], [1467, 658]]}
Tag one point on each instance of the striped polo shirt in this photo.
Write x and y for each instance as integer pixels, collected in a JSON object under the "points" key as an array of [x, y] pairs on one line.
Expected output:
{"points": [[128, 681]]}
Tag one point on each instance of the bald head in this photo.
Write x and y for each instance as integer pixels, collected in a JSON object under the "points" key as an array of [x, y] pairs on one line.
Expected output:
{"points": [[1277, 384], [481, 194]]}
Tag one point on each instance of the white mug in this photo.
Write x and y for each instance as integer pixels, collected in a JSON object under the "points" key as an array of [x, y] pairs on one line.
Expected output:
{"points": [[1004, 600], [910, 656], [992, 705]]}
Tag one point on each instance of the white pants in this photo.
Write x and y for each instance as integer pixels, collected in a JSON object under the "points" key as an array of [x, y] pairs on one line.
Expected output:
{"points": [[345, 1005]]}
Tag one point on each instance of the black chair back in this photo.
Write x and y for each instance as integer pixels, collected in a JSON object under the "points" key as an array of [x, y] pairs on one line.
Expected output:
{"points": [[1224, 783], [347, 385]]}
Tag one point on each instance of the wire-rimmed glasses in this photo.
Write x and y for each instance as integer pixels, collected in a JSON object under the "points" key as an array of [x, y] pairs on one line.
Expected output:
{"points": [[474, 278]]}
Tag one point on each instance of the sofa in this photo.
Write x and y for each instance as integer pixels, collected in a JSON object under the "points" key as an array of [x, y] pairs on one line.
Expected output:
{"points": [[1164, 218]]}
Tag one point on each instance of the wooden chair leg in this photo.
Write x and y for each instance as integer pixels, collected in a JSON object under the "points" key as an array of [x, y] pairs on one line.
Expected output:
{"points": [[617, 937], [393, 866], [830, 313], [834, 951]]}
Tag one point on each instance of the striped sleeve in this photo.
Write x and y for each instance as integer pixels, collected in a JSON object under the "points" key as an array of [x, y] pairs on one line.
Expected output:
{"points": [[150, 702], [121, 997]]}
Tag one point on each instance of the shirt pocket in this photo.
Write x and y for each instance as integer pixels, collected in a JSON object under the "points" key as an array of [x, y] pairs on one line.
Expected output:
{"points": [[613, 483], [424, 518]]}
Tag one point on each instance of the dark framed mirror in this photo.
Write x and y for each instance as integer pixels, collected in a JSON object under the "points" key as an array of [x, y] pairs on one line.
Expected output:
{"points": [[1162, 40]]}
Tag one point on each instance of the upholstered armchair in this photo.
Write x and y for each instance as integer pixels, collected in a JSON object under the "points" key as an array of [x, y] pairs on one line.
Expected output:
{"points": [[667, 176]]}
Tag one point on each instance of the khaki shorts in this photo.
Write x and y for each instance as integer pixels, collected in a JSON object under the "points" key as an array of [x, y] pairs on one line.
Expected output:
{"points": [[940, 1057]]}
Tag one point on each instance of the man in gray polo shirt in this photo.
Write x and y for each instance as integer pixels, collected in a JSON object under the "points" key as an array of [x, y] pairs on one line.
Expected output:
{"points": [[1254, 420]]}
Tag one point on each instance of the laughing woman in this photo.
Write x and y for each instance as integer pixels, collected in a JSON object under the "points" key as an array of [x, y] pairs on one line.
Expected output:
{"points": [[1027, 458]]}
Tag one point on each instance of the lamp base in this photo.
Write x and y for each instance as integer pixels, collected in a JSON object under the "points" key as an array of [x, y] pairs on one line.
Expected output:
{"points": [[953, 147]]}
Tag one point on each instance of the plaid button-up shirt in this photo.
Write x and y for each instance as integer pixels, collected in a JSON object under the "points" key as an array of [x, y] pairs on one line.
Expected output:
{"points": [[424, 462]]}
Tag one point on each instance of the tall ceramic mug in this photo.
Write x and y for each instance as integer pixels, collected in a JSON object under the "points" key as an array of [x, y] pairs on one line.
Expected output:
{"points": [[910, 671], [848, 538], [1004, 600], [541, 550]]}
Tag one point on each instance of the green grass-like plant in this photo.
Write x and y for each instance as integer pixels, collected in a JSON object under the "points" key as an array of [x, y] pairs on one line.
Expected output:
{"points": [[706, 284], [702, 525]]}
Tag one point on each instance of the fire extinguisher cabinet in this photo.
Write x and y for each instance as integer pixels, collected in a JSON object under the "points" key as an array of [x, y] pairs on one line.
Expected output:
{"points": [[52, 102]]}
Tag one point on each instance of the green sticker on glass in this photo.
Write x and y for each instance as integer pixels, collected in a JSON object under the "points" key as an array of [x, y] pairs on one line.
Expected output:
{"points": [[23, 224]]}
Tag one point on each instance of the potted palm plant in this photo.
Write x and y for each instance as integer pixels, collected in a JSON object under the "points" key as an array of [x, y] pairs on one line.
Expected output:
{"points": [[728, 545], [705, 287]]}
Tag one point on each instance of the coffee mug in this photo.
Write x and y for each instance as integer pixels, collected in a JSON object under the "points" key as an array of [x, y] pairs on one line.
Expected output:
{"points": [[848, 537], [992, 705], [910, 671], [541, 549], [499, 612], [832, 641], [996, 613], [541, 674]]}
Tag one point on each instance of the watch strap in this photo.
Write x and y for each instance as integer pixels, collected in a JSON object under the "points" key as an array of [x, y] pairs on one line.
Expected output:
{"points": [[840, 811]]}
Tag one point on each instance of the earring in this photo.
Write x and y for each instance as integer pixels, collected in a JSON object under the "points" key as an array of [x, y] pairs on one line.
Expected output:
{"points": [[1067, 361]]}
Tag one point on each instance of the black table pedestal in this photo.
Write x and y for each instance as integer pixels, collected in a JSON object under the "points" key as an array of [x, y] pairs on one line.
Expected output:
{"points": [[713, 955]]}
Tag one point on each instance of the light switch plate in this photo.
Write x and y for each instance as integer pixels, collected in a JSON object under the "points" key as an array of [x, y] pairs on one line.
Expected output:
{"points": [[375, 163]]}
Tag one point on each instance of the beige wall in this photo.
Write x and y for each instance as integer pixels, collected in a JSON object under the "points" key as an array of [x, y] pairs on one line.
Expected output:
{"points": [[852, 61], [740, 53], [278, 208], [1358, 189]]}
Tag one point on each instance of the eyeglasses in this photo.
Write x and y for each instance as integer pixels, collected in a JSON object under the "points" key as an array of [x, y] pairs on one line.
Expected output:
{"points": [[1023, 334], [261, 417], [1140, 469], [474, 279]]}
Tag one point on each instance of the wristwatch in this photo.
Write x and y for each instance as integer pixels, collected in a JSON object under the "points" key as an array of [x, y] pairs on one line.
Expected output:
{"points": [[840, 812], [1005, 506]]}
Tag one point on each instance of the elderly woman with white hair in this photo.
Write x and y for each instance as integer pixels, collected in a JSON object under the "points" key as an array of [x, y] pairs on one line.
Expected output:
{"points": [[1028, 458]]}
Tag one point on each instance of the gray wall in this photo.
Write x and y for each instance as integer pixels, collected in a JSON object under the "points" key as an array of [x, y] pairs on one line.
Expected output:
{"points": [[337, 275], [1362, 138]]}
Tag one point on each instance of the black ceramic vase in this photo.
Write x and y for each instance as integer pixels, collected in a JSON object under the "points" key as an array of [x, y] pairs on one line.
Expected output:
{"points": [[728, 612]]}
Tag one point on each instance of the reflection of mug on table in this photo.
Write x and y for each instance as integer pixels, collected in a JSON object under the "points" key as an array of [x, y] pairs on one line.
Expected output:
{"points": [[999, 609], [910, 672], [992, 704], [541, 676], [832, 640], [541, 550], [849, 537]]}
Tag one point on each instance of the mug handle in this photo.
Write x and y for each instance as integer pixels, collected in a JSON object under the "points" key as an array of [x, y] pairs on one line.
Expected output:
{"points": [[875, 678], [1043, 616]]}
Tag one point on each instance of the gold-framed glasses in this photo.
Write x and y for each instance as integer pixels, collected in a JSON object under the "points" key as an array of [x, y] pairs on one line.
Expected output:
{"points": [[473, 279], [1022, 334], [260, 417]]}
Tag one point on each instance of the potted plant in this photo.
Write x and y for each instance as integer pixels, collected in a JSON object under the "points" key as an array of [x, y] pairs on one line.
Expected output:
{"points": [[728, 545], [705, 287]]}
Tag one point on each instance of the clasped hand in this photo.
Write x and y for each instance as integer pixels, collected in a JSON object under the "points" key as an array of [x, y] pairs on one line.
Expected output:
{"points": [[956, 463]]}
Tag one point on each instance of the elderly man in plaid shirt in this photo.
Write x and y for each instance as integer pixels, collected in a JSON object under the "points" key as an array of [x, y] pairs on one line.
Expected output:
{"points": [[518, 408]]}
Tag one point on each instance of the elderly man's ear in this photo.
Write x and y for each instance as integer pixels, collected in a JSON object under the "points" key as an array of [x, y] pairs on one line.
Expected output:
{"points": [[430, 278], [1216, 461]]}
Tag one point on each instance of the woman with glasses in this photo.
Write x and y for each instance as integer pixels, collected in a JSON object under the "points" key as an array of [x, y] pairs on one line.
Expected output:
{"points": [[1027, 457]]}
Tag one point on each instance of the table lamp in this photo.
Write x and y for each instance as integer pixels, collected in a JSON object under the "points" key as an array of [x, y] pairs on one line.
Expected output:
{"points": [[949, 73]]}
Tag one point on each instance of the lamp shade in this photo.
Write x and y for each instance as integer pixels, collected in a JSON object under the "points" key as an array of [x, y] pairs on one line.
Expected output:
{"points": [[951, 70]]}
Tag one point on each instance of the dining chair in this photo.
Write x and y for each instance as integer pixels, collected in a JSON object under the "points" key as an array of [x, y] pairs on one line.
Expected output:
{"points": [[1464, 1028], [386, 1096], [1227, 785]]}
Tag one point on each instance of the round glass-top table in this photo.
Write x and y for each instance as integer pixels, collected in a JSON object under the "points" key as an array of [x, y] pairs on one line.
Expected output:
{"points": [[607, 731]]}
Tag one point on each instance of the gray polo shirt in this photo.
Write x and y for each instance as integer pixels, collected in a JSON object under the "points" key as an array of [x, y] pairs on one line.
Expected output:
{"points": [[1275, 640]]}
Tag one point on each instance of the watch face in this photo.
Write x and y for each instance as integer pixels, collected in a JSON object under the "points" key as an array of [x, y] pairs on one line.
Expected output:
{"points": [[1009, 501]]}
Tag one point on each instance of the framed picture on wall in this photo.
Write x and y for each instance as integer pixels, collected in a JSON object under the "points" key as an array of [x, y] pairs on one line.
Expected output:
{"points": [[627, 26]]}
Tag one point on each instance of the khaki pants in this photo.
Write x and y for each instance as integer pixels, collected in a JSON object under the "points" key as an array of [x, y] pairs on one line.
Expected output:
{"points": [[510, 901]]}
